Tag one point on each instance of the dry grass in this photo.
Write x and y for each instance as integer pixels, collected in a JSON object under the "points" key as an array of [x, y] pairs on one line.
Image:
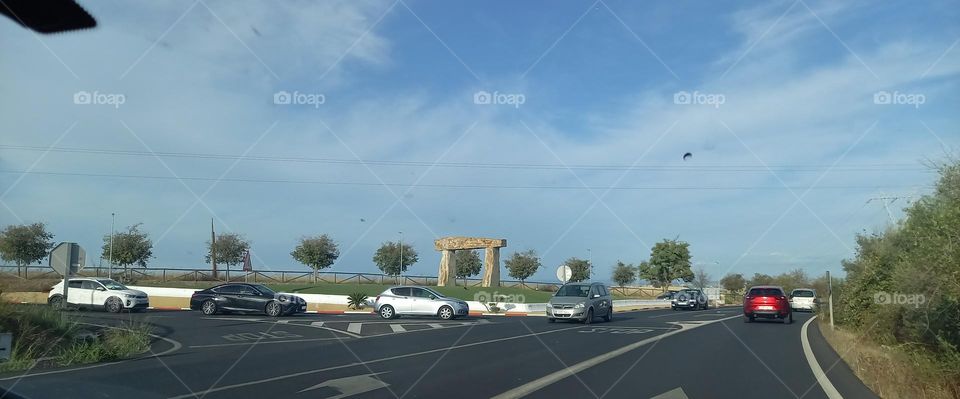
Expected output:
{"points": [[891, 372], [22, 285]]}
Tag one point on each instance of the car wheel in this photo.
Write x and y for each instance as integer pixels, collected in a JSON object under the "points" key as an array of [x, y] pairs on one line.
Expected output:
{"points": [[788, 319], [747, 319], [386, 312], [209, 307], [589, 318], [114, 305], [445, 313], [274, 309], [56, 302], [609, 317]]}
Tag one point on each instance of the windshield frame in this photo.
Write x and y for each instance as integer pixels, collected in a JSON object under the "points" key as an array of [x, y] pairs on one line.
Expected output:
{"points": [[111, 285], [579, 288], [264, 289]]}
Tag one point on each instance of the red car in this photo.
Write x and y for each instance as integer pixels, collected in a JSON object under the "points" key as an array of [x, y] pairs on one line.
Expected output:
{"points": [[767, 301]]}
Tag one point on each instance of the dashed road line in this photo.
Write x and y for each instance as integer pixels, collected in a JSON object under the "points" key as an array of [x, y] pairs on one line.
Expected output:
{"points": [[354, 328], [397, 328]]}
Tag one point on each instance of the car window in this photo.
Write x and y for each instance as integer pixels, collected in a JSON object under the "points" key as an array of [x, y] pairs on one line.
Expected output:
{"points": [[603, 290], [573, 290], [803, 293], [402, 291], [75, 284], [89, 285], [421, 293], [247, 290], [765, 292], [265, 290], [227, 289]]}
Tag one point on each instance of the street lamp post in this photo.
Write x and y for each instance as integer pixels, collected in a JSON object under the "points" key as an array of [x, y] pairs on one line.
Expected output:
{"points": [[113, 229], [400, 271]]}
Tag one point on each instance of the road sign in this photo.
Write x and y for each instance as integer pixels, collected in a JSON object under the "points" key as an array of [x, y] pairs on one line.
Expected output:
{"points": [[67, 254], [564, 273]]}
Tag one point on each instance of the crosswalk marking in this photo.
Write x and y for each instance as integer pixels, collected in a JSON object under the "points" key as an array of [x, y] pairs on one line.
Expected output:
{"points": [[317, 324], [397, 328], [354, 327]]}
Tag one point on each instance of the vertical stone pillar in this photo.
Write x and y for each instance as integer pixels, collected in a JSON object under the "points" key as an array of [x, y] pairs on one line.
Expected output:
{"points": [[491, 266], [448, 268]]}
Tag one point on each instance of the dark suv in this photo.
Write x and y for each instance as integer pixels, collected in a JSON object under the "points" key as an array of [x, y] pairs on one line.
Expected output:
{"points": [[691, 298]]}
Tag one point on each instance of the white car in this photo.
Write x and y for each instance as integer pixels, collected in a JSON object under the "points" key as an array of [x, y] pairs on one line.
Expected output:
{"points": [[98, 293], [407, 300], [804, 299]]}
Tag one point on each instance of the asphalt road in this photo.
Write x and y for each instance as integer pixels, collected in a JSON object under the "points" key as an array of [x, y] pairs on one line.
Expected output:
{"points": [[692, 354]]}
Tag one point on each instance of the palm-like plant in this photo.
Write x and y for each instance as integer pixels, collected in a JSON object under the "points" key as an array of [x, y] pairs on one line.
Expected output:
{"points": [[357, 300]]}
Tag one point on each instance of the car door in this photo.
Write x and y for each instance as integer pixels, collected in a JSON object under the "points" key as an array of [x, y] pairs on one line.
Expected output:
{"points": [[249, 298], [401, 301], [421, 301], [605, 300], [98, 293], [228, 295], [76, 294]]}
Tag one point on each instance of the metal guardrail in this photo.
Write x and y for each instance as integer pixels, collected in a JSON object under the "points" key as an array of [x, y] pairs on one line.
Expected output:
{"points": [[266, 276]]}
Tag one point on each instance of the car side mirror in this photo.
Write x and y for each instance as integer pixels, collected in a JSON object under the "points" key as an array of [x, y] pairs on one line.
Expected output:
{"points": [[432, 297], [101, 289], [791, 296], [596, 295]]}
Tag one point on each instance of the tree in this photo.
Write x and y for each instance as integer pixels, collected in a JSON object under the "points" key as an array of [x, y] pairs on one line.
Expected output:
{"points": [[669, 261], [25, 244], [580, 269], [701, 279], [761, 279], [229, 249], [522, 265], [387, 258], [318, 252], [132, 247], [624, 274], [468, 264], [733, 282]]}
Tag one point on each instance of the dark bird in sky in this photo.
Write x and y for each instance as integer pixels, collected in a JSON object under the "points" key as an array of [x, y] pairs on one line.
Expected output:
{"points": [[687, 156]]}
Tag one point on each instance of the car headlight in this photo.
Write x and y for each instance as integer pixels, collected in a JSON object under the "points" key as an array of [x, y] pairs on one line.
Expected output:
{"points": [[578, 306]]}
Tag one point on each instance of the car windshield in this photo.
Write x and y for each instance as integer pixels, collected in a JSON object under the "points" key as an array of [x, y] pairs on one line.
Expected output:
{"points": [[573, 290], [264, 290], [112, 285], [803, 293]]}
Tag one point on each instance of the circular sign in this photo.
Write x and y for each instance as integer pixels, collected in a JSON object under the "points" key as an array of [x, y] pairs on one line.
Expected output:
{"points": [[564, 273]]}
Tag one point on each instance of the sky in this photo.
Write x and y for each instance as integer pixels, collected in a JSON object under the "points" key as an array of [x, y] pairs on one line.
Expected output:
{"points": [[559, 126]]}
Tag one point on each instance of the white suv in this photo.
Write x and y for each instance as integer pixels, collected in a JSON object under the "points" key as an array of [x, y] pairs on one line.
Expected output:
{"points": [[804, 299], [99, 293]]}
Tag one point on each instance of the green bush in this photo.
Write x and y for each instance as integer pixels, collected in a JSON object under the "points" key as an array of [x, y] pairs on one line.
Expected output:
{"points": [[356, 300]]}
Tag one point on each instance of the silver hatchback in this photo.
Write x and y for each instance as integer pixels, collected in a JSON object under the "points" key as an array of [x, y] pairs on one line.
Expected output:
{"points": [[580, 301], [409, 300]]}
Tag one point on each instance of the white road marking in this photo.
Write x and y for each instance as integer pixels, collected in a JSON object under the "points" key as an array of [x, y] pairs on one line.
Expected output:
{"points": [[353, 385], [825, 383], [316, 324], [368, 362], [354, 328], [676, 393], [397, 328], [568, 371]]}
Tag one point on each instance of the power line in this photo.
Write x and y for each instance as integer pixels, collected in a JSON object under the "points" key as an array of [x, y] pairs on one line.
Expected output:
{"points": [[438, 185], [698, 167]]}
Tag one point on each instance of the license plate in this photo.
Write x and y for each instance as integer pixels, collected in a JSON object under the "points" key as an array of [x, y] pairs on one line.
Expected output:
{"points": [[561, 313], [765, 307]]}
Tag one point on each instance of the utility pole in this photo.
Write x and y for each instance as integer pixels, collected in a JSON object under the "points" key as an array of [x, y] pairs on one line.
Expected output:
{"points": [[830, 297], [113, 229], [887, 201], [401, 254], [213, 254]]}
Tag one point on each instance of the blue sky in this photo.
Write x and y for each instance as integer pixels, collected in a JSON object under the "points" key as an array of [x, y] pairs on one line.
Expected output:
{"points": [[784, 96]]}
